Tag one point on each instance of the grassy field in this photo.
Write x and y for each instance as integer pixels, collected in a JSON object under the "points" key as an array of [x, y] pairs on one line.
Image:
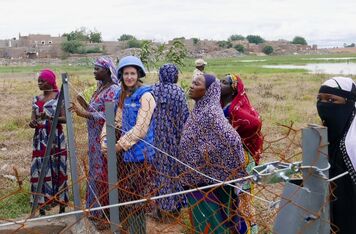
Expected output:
{"points": [[280, 96]]}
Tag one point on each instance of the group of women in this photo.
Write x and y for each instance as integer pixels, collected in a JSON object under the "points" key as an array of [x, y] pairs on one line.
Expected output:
{"points": [[162, 148]]}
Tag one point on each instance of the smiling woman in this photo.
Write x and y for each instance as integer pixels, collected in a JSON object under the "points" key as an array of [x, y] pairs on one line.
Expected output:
{"points": [[134, 145]]}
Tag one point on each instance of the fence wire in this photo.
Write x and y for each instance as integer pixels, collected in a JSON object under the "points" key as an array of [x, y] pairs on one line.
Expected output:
{"points": [[153, 196]]}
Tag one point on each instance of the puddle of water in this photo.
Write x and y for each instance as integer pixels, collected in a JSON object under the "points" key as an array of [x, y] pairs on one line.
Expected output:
{"points": [[252, 60], [326, 68], [327, 59]]}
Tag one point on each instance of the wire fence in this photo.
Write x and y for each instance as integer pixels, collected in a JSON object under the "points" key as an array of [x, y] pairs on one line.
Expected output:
{"points": [[155, 196]]}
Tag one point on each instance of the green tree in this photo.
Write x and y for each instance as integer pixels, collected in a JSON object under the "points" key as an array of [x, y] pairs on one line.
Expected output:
{"points": [[178, 38], [255, 39], [126, 37], [240, 48], [77, 35], [349, 46], [95, 37], [134, 43], [195, 40], [267, 50], [236, 37], [72, 46], [176, 53], [150, 54], [299, 40], [225, 44]]}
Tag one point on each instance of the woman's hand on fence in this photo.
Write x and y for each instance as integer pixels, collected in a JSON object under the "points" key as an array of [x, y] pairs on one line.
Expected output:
{"points": [[78, 110], [104, 149], [118, 148], [33, 123]]}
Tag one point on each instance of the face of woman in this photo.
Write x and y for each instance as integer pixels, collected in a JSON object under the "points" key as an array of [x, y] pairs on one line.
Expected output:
{"points": [[197, 88], [330, 98], [130, 76], [43, 84], [226, 88], [100, 73]]}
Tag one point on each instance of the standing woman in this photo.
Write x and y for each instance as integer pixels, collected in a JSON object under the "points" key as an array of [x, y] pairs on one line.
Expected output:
{"points": [[210, 145], [170, 115], [247, 122], [43, 109], [336, 108], [107, 91], [134, 146]]}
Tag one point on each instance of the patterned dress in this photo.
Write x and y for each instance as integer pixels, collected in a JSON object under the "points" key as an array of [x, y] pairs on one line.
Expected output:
{"points": [[97, 193], [55, 182], [170, 115]]}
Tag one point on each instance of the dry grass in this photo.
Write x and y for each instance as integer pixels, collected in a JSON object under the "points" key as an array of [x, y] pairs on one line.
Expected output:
{"points": [[281, 98]]}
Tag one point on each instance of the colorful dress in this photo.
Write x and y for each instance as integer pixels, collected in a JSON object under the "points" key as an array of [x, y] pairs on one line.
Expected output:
{"points": [[247, 122], [170, 114], [54, 188], [97, 188]]}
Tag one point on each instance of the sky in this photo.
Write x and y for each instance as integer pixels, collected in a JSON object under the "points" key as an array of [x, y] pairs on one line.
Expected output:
{"points": [[322, 22]]}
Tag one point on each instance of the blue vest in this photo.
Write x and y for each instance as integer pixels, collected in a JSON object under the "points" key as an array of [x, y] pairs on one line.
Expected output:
{"points": [[141, 150]]}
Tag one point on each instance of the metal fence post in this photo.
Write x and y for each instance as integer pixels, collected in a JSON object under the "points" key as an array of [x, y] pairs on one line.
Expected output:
{"points": [[71, 145], [44, 167], [303, 207], [112, 165]]}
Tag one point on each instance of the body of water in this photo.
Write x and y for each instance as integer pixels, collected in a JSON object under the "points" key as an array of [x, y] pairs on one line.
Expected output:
{"points": [[326, 68]]}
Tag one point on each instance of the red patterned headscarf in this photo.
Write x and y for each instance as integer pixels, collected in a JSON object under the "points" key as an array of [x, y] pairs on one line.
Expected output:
{"points": [[245, 119], [49, 76]]}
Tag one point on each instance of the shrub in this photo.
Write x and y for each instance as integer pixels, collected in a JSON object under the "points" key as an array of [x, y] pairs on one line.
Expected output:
{"points": [[195, 40], [267, 50], [225, 44], [134, 43], [236, 37], [299, 40], [240, 48], [255, 39], [126, 37], [72, 47], [95, 37]]}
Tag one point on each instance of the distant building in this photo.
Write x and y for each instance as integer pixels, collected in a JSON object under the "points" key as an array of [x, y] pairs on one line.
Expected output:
{"points": [[32, 46]]}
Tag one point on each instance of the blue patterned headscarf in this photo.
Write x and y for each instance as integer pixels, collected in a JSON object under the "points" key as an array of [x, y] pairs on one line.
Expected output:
{"points": [[170, 114], [168, 73], [106, 62]]}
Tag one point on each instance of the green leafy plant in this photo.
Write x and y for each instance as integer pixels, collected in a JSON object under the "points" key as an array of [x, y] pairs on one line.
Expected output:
{"points": [[236, 37], [240, 48], [126, 37], [255, 39], [225, 44], [299, 41], [267, 50]]}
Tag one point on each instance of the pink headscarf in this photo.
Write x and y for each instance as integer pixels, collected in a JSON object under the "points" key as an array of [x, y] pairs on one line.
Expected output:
{"points": [[49, 76]]}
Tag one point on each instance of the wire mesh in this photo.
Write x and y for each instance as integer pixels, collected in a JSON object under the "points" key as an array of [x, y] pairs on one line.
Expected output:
{"points": [[152, 195]]}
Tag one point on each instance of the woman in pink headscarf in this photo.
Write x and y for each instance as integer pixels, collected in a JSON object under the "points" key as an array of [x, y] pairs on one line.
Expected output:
{"points": [[54, 190]]}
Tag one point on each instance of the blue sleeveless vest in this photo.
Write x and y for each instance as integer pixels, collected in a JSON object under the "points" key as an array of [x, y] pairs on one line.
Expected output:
{"points": [[141, 150]]}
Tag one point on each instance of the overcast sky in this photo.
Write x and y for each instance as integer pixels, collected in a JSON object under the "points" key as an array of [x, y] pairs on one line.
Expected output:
{"points": [[325, 22]]}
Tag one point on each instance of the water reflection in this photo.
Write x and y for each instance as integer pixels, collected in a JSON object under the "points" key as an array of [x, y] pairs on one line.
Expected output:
{"points": [[326, 68]]}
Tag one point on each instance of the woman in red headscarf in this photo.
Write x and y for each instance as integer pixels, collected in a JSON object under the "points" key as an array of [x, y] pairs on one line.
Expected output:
{"points": [[54, 189], [247, 122]]}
